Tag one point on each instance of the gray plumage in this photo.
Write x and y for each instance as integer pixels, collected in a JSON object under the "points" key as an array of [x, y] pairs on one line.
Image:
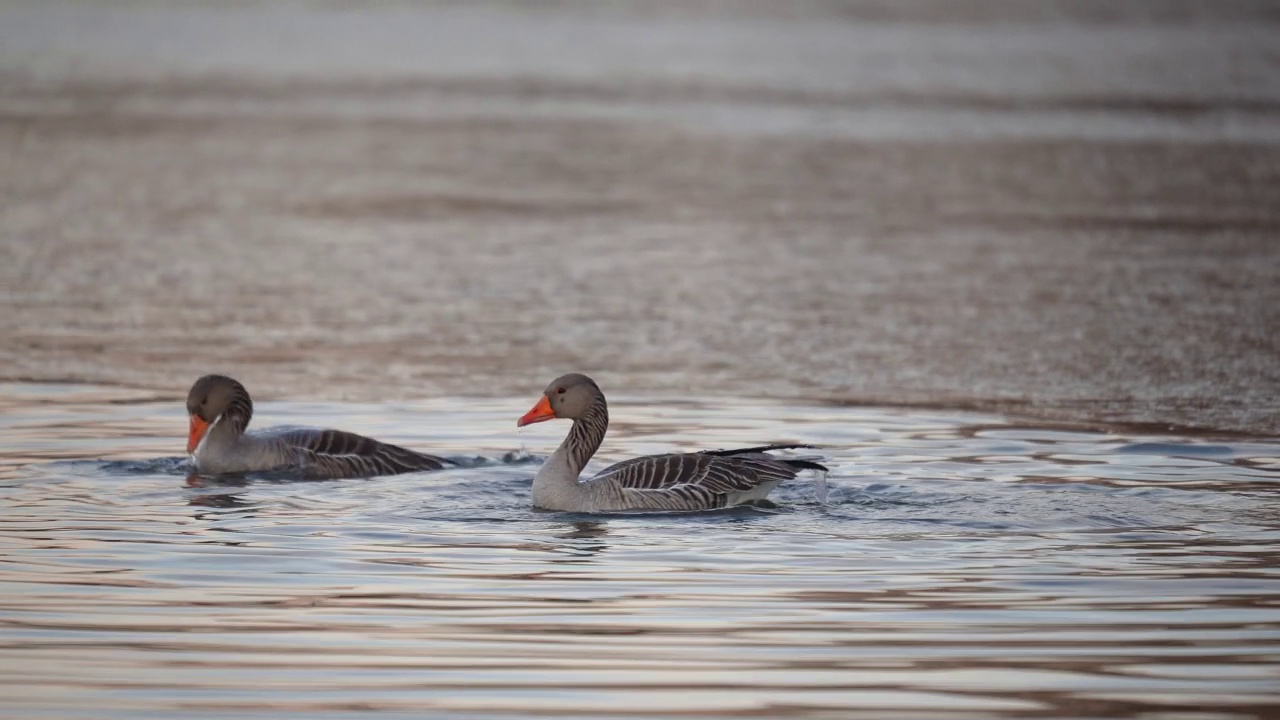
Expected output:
{"points": [[226, 447], [671, 482]]}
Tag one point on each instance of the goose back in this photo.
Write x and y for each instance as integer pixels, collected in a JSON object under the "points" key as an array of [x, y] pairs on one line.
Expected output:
{"points": [[340, 454], [695, 481]]}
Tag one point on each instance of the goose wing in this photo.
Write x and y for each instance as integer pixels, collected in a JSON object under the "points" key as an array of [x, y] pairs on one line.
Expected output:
{"points": [[340, 454], [694, 481]]}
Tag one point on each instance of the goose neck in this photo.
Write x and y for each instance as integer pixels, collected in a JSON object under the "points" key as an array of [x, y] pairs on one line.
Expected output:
{"points": [[585, 437]]}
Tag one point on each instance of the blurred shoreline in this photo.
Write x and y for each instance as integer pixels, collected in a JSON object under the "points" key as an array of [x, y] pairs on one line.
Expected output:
{"points": [[1067, 212]]}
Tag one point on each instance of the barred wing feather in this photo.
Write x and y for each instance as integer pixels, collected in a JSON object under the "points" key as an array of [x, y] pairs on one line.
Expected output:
{"points": [[693, 480], [336, 453]]}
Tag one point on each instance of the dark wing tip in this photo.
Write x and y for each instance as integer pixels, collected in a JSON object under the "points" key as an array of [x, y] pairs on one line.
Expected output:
{"points": [[797, 464], [759, 449], [805, 465], [347, 454], [400, 460]]}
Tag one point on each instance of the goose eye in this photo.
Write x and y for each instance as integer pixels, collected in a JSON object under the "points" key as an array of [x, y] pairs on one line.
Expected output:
{"points": [[204, 400], [559, 391]]}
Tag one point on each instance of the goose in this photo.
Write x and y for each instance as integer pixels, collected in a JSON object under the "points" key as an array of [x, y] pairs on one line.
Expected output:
{"points": [[220, 410], [675, 482]]}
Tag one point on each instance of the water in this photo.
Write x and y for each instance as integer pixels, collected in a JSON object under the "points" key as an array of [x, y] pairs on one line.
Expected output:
{"points": [[1064, 208], [962, 566]]}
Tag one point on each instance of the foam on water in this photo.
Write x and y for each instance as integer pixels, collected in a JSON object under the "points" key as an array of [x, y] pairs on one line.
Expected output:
{"points": [[959, 566]]}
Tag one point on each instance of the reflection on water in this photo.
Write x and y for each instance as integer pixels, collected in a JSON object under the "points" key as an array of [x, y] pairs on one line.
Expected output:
{"points": [[962, 566]]}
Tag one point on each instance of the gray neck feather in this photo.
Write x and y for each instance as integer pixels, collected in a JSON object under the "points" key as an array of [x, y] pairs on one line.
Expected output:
{"points": [[231, 424], [238, 412], [586, 435]]}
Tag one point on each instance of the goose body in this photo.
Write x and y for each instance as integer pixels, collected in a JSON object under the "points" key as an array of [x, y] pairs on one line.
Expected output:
{"points": [[672, 482], [220, 410]]}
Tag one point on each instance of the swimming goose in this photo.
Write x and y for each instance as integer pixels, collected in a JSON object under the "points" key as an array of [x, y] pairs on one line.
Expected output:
{"points": [[675, 482], [220, 410]]}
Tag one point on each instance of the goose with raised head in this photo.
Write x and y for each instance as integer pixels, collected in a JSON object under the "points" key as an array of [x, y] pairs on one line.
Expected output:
{"points": [[220, 410], [674, 482]]}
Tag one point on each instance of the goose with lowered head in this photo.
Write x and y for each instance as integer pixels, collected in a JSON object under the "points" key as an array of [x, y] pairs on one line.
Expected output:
{"points": [[220, 410]]}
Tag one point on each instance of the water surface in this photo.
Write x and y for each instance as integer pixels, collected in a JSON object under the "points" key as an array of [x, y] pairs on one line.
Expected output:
{"points": [[962, 566], [1061, 208]]}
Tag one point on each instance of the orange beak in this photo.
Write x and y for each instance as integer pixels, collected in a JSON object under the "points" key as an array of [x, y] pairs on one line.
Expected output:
{"points": [[540, 413], [198, 428]]}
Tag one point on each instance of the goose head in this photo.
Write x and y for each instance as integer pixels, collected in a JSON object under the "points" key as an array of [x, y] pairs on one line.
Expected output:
{"points": [[211, 398], [568, 396]]}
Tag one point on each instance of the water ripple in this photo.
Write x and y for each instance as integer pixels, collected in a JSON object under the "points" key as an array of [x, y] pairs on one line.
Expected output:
{"points": [[958, 567]]}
